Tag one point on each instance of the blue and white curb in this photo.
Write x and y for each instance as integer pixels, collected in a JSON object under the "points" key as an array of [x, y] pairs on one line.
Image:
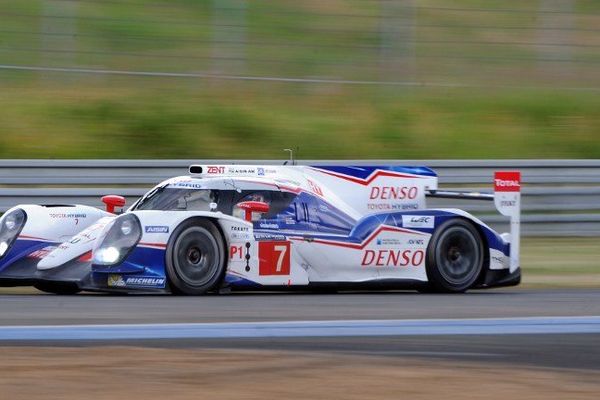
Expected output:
{"points": [[427, 327]]}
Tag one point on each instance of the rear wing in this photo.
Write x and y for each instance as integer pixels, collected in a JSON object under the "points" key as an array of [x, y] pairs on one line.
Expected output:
{"points": [[506, 198]]}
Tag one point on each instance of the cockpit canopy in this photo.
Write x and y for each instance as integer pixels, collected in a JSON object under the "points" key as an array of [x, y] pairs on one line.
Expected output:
{"points": [[219, 195]]}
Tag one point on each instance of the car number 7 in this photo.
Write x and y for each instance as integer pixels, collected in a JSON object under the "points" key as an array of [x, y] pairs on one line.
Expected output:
{"points": [[281, 250]]}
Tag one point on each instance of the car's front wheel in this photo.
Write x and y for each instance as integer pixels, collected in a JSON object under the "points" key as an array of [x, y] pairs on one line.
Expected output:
{"points": [[195, 258], [455, 257]]}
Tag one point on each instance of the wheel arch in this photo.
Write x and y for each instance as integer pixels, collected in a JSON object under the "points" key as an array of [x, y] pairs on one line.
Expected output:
{"points": [[480, 230], [486, 248], [483, 232], [223, 238], [215, 222]]}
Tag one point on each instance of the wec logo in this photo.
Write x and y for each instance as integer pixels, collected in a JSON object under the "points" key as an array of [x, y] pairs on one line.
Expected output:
{"points": [[418, 221]]}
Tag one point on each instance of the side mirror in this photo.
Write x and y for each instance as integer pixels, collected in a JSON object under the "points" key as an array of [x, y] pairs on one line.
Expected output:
{"points": [[250, 207], [112, 201]]}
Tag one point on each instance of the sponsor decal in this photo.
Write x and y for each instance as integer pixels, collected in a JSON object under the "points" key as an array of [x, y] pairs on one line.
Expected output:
{"points": [[392, 258], [508, 181], [116, 280], [507, 194], [418, 242], [389, 242], [260, 171], [418, 221], [393, 206], [268, 226], [75, 217], [289, 221], [144, 281], [39, 254], [188, 185], [63, 215], [394, 192], [235, 170], [269, 236], [239, 232], [212, 169], [156, 229], [406, 206], [240, 236]]}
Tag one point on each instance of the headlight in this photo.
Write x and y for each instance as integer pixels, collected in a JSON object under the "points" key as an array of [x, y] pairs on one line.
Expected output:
{"points": [[11, 225], [127, 227], [122, 236]]}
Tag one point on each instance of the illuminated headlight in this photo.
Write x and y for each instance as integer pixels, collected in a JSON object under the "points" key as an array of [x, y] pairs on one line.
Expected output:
{"points": [[11, 225], [120, 238], [108, 255]]}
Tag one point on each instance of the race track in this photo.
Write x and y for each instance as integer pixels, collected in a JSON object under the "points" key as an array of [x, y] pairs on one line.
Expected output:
{"points": [[44, 309], [384, 320]]}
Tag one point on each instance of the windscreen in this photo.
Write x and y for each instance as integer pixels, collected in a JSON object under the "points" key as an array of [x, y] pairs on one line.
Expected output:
{"points": [[177, 199]]}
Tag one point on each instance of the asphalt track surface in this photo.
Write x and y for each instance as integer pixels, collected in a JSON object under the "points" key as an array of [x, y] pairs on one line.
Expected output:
{"points": [[577, 350]]}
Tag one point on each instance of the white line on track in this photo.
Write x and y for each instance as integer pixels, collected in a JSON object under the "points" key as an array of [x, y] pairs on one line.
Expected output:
{"points": [[489, 326]]}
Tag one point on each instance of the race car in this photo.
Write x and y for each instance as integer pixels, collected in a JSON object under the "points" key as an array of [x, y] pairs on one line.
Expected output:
{"points": [[248, 227]]}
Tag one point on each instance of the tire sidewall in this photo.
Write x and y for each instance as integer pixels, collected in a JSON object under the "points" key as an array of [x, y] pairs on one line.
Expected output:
{"points": [[176, 283], [437, 280]]}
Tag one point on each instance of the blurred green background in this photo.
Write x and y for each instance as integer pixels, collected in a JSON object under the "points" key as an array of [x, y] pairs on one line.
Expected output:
{"points": [[370, 78]]}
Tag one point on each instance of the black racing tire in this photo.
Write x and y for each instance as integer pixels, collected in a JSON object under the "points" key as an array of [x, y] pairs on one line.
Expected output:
{"points": [[455, 257], [195, 258], [57, 288]]}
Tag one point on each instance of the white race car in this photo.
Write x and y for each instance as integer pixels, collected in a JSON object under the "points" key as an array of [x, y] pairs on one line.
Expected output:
{"points": [[267, 227]]}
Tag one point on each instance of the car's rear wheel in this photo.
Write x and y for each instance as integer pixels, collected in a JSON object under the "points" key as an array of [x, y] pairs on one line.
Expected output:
{"points": [[195, 258], [57, 288], [455, 257]]}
